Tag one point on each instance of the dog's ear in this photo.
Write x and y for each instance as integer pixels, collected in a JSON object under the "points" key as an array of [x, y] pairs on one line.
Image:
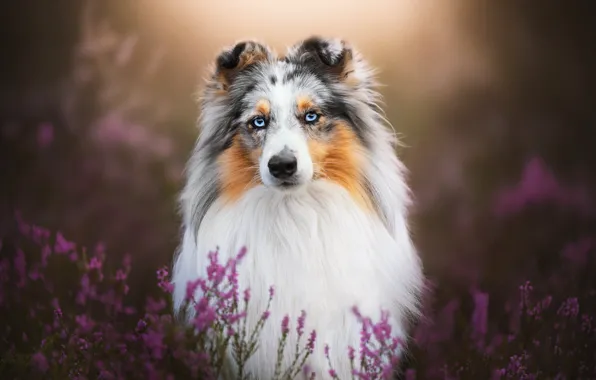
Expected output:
{"points": [[334, 56], [233, 60]]}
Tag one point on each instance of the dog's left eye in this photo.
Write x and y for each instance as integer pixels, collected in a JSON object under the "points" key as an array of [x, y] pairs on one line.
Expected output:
{"points": [[311, 117], [259, 122]]}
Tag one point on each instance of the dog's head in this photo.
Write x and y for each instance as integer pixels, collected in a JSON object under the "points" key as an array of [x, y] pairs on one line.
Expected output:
{"points": [[286, 121]]}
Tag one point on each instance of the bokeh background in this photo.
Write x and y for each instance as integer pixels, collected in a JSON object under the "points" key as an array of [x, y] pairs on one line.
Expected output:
{"points": [[495, 103]]}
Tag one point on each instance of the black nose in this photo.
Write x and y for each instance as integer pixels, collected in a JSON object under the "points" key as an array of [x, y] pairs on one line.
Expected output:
{"points": [[283, 165]]}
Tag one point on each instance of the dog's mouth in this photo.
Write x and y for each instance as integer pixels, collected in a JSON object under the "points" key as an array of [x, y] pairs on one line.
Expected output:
{"points": [[288, 184]]}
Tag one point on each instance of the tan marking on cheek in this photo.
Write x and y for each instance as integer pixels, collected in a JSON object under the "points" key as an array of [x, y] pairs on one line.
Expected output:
{"points": [[340, 160], [304, 103], [255, 154], [239, 170], [263, 107]]}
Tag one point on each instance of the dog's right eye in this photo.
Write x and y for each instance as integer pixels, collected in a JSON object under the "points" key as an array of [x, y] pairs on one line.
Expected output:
{"points": [[259, 122]]}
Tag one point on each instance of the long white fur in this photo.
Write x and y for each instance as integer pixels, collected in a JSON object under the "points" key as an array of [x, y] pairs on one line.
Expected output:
{"points": [[316, 245]]}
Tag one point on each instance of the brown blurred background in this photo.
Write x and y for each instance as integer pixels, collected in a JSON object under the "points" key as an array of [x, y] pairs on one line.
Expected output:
{"points": [[97, 116]]}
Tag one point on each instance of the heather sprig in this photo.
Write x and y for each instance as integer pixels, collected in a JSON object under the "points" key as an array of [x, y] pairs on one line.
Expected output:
{"points": [[379, 348], [300, 355]]}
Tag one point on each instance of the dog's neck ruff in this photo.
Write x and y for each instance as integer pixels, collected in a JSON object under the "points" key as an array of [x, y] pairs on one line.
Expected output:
{"points": [[323, 253]]}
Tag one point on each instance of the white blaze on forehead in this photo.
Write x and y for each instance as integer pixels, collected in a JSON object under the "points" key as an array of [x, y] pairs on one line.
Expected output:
{"points": [[282, 99], [285, 130]]}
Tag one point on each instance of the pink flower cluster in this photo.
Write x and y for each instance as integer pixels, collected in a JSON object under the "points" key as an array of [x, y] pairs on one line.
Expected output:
{"points": [[89, 330]]}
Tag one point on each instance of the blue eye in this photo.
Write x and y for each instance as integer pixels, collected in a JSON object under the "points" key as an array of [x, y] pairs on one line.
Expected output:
{"points": [[259, 122], [311, 117]]}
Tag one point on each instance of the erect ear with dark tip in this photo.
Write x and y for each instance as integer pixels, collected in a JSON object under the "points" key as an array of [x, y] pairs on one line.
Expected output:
{"points": [[233, 60], [332, 55]]}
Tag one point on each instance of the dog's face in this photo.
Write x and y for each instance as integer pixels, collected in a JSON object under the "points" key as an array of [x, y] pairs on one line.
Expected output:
{"points": [[286, 121]]}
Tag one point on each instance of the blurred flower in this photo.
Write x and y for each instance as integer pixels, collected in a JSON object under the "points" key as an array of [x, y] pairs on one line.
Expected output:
{"points": [[539, 185], [480, 314], [62, 245], [40, 362], [89, 327], [577, 252], [569, 308], [45, 135], [20, 266], [285, 325]]}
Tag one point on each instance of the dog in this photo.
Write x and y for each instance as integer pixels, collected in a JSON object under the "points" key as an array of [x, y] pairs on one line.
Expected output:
{"points": [[296, 162]]}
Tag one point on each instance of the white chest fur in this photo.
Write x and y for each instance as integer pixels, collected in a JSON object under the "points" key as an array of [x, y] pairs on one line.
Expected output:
{"points": [[323, 253]]}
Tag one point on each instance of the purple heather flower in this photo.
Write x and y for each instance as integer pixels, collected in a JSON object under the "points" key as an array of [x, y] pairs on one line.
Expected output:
{"points": [[83, 344], [39, 361], [387, 371], [246, 295], [233, 274], [120, 275], [34, 273], [205, 314], [271, 291], [241, 254], [356, 312], [215, 272], [577, 252], [20, 266], [155, 306], [285, 325], [265, 315], [127, 262], [191, 288], [164, 283], [382, 330], [85, 323], [301, 319], [162, 273], [587, 323], [141, 325], [569, 308], [525, 291], [351, 353], [233, 318], [45, 135], [480, 315], [95, 263], [39, 234], [154, 341], [310, 345], [306, 369], [62, 245]]}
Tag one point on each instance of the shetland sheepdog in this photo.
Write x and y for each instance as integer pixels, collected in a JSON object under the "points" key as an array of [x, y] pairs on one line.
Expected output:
{"points": [[296, 162]]}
